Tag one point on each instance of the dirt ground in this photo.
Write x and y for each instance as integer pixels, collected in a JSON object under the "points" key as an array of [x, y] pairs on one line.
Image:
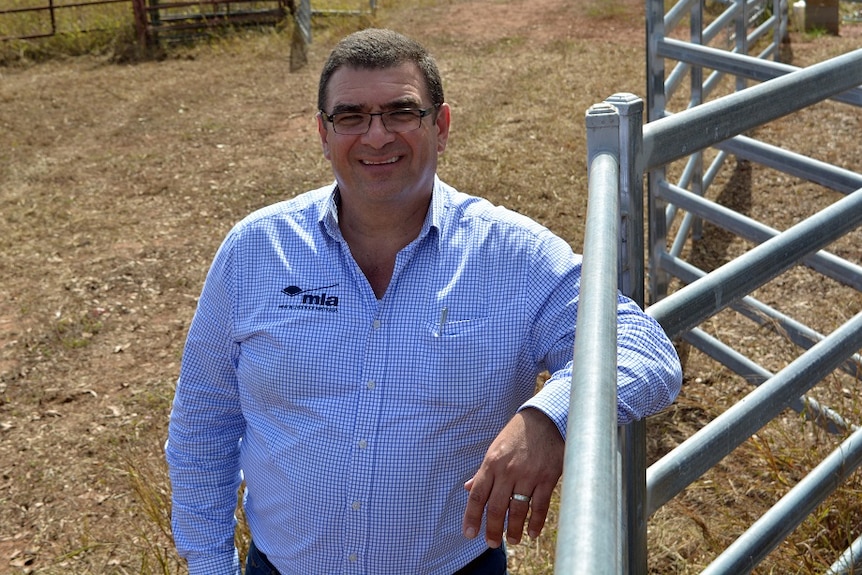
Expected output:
{"points": [[118, 181]]}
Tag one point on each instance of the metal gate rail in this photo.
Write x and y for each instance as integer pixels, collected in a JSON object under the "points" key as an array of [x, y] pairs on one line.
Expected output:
{"points": [[51, 8], [177, 19]]}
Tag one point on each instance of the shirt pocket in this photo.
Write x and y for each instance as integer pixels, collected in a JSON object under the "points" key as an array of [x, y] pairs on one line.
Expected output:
{"points": [[455, 354]]}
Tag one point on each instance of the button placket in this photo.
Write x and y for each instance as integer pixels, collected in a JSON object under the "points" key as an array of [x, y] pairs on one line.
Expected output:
{"points": [[367, 412]]}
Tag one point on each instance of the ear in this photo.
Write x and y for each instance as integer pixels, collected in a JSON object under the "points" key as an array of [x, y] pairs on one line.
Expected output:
{"points": [[444, 118], [324, 135]]}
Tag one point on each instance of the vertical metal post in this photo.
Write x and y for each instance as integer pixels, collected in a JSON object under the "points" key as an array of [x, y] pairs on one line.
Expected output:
{"points": [[632, 437], [154, 15], [741, 37], [696, 31], [588, 539], [631, 263], [303, 20], [53, 17], [779, 31], [655, 88], [632, 441], [656, 102], [140, 12]]}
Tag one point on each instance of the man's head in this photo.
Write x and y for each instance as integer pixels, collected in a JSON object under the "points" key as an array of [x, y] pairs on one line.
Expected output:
{"points": [[376, 49], [382, 122]]}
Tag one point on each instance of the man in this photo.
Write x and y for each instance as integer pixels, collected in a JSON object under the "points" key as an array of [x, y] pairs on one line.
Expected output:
{"points": [[364, 355]]}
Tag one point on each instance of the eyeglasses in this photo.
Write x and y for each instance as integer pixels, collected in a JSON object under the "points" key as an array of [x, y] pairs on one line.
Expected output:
{"points": [[358, 123]]}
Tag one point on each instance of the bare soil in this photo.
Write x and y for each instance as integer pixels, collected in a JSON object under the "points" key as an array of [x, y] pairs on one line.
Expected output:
{"points": [[118, 181]]}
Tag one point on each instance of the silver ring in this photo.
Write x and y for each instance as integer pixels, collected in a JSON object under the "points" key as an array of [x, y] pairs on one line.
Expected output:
{"points": [[519, 497]]}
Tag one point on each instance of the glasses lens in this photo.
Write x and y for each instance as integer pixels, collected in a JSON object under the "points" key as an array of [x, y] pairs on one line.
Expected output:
{"points": [[350, 124], [357, 123], [402, 120]]}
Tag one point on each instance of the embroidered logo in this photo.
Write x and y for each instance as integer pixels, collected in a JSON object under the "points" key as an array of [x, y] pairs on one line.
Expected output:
{"points": [[312, 298]]}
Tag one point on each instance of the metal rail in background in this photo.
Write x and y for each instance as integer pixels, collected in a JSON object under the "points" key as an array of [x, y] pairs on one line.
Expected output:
{"points": [[178, 20], [713, 122], [696, 302], [182, 17]]}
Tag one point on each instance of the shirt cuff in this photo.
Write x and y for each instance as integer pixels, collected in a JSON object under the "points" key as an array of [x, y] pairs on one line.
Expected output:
{"points": [[553, 401], [221, 564]]}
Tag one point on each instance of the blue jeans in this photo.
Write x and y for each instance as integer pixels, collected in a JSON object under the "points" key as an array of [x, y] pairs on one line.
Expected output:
{"points": [[491, 562], [256, 562]]}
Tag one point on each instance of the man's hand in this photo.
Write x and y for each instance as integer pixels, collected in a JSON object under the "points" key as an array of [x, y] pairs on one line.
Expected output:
{"points": [[525, 458]]}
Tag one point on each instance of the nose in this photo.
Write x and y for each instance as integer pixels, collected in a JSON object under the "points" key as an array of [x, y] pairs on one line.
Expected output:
{"points": [[377, 133]]}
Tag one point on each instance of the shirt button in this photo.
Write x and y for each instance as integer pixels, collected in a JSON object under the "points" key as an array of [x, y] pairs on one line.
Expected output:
{"points": [[352, 557], [376, 324], [370, 384], [363, 444], [356, 505]]}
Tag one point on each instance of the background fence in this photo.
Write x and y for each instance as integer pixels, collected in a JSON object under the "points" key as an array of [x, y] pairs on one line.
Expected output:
{"points": [[156, 20]]}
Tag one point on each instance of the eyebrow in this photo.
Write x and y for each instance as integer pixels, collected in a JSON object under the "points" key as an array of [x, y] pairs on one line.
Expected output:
{"points": [[401, 103]]}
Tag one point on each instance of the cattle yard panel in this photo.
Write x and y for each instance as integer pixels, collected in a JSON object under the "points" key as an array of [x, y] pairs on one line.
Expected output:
{"points": [[158, 20]]}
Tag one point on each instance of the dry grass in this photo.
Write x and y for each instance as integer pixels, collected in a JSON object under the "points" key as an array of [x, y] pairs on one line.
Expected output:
{"points": [[117, 182]]}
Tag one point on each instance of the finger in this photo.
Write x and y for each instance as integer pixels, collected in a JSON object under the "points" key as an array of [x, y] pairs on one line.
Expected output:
{"points": [[479, 490], [496, 509], [518, 510], [539, 507]]}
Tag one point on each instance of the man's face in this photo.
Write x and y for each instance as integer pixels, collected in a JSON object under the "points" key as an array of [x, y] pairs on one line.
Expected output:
{"points": [[380, 166]]}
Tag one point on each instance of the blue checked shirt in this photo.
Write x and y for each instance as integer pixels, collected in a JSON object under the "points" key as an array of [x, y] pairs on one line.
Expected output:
{"points": [[355, 421]]}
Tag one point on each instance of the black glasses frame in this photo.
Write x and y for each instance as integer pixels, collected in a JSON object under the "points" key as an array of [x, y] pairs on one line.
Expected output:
{"points": [[383, 118]]}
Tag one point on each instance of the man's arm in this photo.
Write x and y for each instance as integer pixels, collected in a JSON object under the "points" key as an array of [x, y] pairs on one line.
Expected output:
{"points": [[203, 436], [526, 458], [649, 375]]}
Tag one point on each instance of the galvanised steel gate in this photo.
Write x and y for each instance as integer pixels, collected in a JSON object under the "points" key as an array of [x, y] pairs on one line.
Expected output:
{"points": [[608, 493]]}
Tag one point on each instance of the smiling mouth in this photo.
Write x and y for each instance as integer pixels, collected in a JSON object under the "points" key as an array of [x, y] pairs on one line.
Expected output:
{"points": [[381, 162]]}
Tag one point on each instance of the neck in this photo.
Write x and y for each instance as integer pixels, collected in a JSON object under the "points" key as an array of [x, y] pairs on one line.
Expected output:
{"points": [[376, 235], [386, 222]]}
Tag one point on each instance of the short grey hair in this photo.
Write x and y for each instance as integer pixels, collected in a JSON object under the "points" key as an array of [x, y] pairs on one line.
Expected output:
{"points": [[377, 49]]}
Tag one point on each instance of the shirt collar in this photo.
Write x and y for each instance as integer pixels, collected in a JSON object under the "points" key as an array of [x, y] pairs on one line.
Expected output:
{"points": [[328, 216], [437, 209]]}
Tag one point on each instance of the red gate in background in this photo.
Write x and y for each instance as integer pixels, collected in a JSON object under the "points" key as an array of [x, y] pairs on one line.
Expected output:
{"points": [[153, 19], [45, 20]]}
